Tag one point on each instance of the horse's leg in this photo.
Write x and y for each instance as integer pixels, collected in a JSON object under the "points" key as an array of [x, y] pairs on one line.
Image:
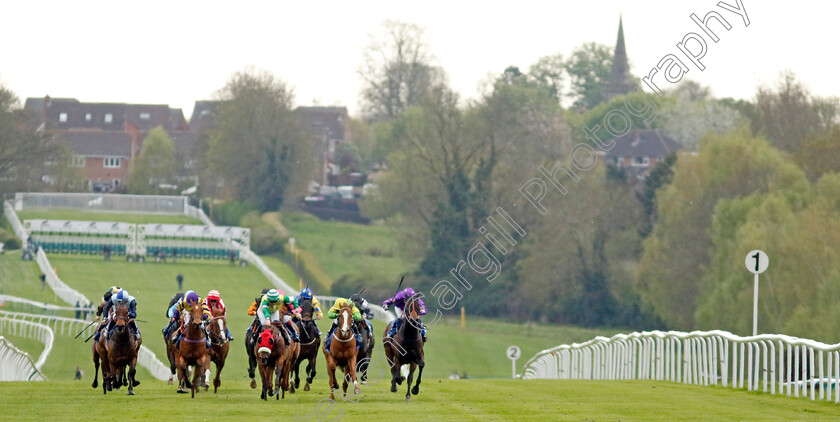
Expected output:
{"points": [[252, 363], [351, 366], [310, 371], [344, 382], [182, 373], [296, 372], [410, 378], [395, 367], [218, 381], [132, 371], [96, 369], [263, 377], [331, 373], [416, 389]]}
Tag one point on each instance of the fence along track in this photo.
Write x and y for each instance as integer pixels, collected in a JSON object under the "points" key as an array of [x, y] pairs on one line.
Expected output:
{"points": [[70, 326], [17, 365], [19, 362], [772, 363]]}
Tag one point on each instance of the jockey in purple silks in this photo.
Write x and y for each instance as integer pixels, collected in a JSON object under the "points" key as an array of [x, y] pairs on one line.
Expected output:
{"points": [[399, 305]]}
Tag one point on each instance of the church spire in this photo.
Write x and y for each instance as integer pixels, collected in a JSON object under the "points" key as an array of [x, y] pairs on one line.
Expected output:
{"points": [[620, 79]]}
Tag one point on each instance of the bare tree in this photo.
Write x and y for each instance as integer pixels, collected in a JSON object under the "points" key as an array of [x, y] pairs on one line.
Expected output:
{"points": [[397, 69]]}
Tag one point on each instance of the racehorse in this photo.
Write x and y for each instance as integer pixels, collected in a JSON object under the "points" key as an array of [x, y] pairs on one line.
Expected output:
{"points": [[270, 350], [342, 353], [122, 350], [219, 345], [310, 342], [192, 351], [405, 348]]}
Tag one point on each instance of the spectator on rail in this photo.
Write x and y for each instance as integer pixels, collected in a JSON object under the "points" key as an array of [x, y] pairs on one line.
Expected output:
{"points": [[79, 373], [43, 278], [180, 280]]}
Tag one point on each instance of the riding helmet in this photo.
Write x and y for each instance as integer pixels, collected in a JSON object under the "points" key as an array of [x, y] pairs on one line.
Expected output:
{"points": [[306, 293], [213, 294], [191, 297], [272, 295]]}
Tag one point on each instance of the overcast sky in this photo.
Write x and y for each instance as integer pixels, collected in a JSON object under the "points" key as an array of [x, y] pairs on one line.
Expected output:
{"points": [[177, 52]]}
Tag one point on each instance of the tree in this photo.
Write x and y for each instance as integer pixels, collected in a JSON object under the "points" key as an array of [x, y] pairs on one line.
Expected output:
{"points": [[589, 68], [820, 155], [155, 165], [29, 157], [671, 270], [397, 70], [659, 177], [549, 73], [687, 122], [789, 115], [258, 148]]}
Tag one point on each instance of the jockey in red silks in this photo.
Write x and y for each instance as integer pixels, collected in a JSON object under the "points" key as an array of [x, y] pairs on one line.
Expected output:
{"points": [[213, 301], [399, 305]]}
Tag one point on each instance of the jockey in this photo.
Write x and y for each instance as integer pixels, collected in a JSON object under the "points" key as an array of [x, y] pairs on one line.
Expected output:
{"points": [[364, 306], [103, 310], [180, 311], [172, 321], [333, 315], [306, 294], [399, 305], [214, 302], [254, 328], [269, 311], [123, 298]]}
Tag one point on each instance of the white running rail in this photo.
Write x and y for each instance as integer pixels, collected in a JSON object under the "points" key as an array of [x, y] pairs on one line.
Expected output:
{"points": [[772, 363], [17, 365], [46, 307], [30, 330], [69, 326]]}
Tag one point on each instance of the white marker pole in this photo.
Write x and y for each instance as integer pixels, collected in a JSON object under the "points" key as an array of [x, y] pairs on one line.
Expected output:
{"points": [[755, 307], [756, 262], [513, 354]]}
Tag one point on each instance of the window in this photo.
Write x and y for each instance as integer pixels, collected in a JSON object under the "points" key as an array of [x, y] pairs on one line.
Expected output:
{"points": [[641, 161], [112, 163], [88, 117], [145, 116], [109, 117], [77, 161], [62, 117], [116, 182]]}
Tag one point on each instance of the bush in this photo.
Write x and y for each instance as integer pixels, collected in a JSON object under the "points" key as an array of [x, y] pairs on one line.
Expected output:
{"points": [[12, 243], [230, 213]]}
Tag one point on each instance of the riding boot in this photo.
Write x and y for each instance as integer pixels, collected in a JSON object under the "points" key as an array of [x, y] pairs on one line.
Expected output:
{"points": [[317, 330], [286, 336], [370, 329], [292, 333], [394, 326], [329, 338], [229, 336]]}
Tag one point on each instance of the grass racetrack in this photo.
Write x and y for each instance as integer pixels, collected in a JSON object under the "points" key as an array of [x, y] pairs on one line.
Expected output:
{"points": [[448, 400]]}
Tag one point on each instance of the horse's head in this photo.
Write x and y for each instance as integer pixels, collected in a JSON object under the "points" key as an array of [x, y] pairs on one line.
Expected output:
{"points": [[216, 328], [306, 309], [344, 318], [121, 316], [266, 342], [196, 313], [412, 307]]}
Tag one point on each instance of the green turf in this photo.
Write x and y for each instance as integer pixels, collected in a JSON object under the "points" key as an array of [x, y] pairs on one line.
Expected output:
{"points": [[446, 400], [20, 278], [285, 272], [346, 248], [132, 218]]}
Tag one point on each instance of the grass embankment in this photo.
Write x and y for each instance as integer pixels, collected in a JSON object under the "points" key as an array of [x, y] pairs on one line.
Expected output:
{"points": [[447, 400], [369, 251], [123, 217]]}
